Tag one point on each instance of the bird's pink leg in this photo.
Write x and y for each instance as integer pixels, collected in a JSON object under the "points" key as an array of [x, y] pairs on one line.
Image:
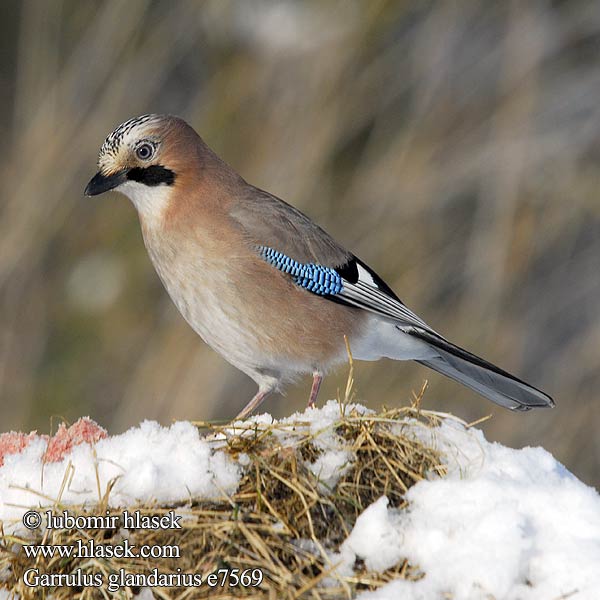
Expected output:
{"points": [[254, 403], [314, 390]]}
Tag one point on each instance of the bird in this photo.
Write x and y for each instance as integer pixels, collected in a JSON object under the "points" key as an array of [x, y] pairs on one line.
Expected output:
{"points": [[260, 282]]}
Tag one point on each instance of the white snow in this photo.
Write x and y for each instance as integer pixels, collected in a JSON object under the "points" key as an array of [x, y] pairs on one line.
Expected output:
{"points": [[375, 538], [503, 524]]}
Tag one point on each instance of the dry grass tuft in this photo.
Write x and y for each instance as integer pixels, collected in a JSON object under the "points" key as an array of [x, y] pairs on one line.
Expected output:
{"points": [[283, 519]]}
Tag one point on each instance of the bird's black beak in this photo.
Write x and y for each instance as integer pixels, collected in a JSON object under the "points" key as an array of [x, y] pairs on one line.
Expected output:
{"points": [[102, 183]]}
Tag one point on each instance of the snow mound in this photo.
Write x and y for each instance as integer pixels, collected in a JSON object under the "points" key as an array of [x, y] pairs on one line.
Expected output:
{"points": [[502, 524]]}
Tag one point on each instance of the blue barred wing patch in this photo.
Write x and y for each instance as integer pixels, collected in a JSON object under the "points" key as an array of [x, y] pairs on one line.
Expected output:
{"points": [[314, 278]]}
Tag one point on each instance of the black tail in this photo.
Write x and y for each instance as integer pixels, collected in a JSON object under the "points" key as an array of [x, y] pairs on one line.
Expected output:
{"points": [[481, 376]]}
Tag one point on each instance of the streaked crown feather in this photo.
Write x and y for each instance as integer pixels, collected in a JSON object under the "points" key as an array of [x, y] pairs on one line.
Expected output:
{"points": [[126, 132]]}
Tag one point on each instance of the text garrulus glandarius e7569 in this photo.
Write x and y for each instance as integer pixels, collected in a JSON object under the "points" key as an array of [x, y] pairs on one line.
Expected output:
{"points": [[262, 284]]}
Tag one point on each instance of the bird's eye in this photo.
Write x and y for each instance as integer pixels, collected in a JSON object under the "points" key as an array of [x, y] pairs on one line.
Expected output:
{"points": [[144, 151]]}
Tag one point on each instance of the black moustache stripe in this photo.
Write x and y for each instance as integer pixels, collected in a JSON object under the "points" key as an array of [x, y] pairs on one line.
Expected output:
{"points": [[152, 176]]}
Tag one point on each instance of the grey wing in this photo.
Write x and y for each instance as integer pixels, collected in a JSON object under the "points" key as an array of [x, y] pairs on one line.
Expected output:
{"points": [[271, 223]]}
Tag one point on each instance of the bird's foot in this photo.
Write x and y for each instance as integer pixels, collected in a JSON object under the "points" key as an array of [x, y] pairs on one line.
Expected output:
{"points": [[314, 390], [253, 404]]}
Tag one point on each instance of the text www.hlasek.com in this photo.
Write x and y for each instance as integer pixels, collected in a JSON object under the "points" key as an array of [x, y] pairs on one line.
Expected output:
{"points": [[92, 549]]}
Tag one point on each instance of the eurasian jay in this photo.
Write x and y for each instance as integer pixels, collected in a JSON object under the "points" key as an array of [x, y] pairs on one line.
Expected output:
{"points": [[263, 285]]}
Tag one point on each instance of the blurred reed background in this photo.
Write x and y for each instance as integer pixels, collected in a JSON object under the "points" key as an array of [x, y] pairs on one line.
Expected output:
{"points": [[453, 146]]}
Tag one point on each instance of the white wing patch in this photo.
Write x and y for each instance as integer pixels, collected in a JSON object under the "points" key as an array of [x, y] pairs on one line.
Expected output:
{"points": [[365, 276]]}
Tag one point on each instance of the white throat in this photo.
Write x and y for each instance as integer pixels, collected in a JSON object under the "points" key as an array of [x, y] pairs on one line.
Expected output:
{"points": [[150, 201]]}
